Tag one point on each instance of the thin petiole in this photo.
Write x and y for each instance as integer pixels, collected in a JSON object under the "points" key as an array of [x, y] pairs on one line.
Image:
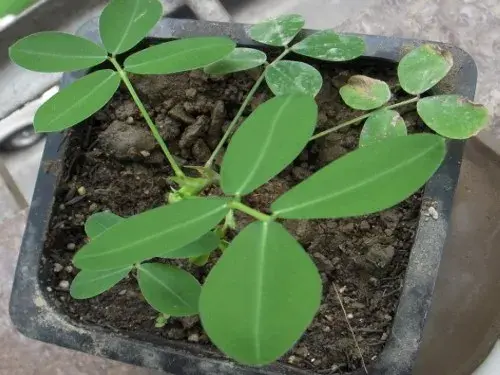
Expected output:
{"points": [[249, 211], [360, 118], [245, 103], [152, 126]]}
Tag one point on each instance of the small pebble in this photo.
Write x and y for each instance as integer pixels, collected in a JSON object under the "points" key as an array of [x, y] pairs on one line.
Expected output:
{"points": [[387, 317], [364, 225], [58, 268], [68, 269], [343, 289], [122, 292], [92, 207], [434, 214], [49, 289], [326, 329], [194, 337], [384, 336], [81, 190], [71, 246], [62, 206], [350, 316], [64, 285], [292, 359], [130, 120], [145, 153]]}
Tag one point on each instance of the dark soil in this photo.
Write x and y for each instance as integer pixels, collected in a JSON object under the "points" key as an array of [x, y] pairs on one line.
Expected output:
{"points": [[113, 164]]}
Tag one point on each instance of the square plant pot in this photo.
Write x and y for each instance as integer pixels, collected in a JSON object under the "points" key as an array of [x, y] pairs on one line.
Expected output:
{"points": [[37, 317]]}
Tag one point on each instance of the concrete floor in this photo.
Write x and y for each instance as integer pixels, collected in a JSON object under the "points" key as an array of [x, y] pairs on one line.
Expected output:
{"points": [[472, 24]]}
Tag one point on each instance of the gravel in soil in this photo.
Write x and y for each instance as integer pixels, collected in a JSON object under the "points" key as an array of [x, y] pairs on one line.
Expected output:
{"points": [[113, 163]]}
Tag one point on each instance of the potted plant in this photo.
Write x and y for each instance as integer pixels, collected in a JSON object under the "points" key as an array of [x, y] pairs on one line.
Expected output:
{"points": [[185, 192]]}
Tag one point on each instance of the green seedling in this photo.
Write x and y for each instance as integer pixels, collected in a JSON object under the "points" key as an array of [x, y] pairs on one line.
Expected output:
{"points": [[264, 290]]}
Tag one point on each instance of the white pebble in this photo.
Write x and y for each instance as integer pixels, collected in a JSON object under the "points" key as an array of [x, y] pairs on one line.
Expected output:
{"points": [[58, 267], [122, 292], [49, 289], [145, 153], [434, 214], [81, 190], [343, 289], [68, 269], [350, 316], [71, 246], [292, 359], [64, 285], [194, 337]]}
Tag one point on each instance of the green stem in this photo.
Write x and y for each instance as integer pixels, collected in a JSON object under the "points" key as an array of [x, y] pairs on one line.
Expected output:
{"points": [[249, 211], [245, 103], [152, 126], [360, 118]]}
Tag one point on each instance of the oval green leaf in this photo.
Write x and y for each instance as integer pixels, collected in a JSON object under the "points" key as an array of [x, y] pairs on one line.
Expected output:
{"points": [[202, 246], [88, 284], [124, 23], [152, 233], [76, 102], [168, 289], [261, 295], [365, 93], [238, 60], [100, 222], [53, 51], [453, 116], [277, 31], [364, 181], [423, 68], [381, 125], [269, 139], [330, 46], [179, 56], [293, 77]]}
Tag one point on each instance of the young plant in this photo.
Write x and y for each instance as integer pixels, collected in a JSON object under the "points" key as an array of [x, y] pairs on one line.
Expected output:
{"points": [[264, 290]]}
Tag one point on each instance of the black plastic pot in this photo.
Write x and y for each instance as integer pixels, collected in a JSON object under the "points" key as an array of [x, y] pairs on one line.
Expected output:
{"points": [[33, 314]]}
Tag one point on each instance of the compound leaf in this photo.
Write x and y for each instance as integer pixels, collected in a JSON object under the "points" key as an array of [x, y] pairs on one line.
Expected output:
{"points": [[100, 222], [365, 93], [202, 246], [269, 139], [53, 51], [261, 295], [124, 23], [293, 77], [179, 55], [152, 233], [88, 284], [330, 46], [382, 124], [367, 180], [423, 67], [168, 289], [238, 60], [77, 102], [277, 31], [452, 116]]}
